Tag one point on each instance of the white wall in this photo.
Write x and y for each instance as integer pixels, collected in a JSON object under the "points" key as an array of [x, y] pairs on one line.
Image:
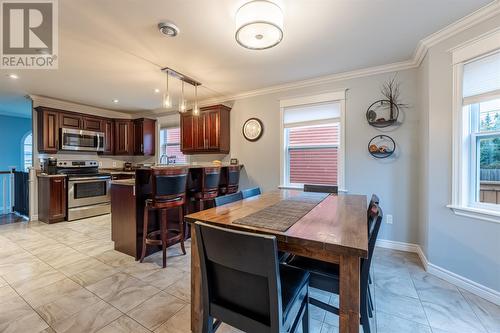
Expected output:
{"points": [[464, 246], [395, 180]]}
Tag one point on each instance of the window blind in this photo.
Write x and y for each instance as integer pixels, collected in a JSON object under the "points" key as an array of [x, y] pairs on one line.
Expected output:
{"points": [[310, 113], [481, 79]]}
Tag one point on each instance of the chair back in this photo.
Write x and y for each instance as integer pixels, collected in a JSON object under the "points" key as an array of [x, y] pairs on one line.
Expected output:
{"points": [[169, 184], [375, 217], [233, 175], [321, 188], [251, 192], [228, 198], [240, 278], [210, 179]]}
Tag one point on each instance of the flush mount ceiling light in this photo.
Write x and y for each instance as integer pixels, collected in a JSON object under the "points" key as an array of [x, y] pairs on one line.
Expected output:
{"points": [[13, 76], [259, 25], [168, 29], [115, 101]]}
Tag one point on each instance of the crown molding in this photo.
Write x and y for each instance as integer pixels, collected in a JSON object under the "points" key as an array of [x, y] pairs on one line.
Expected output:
{"points": [[423, 46], [76, 107]]}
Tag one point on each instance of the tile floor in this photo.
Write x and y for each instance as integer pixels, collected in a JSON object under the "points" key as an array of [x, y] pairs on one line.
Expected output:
{"points": [[66, 277]]}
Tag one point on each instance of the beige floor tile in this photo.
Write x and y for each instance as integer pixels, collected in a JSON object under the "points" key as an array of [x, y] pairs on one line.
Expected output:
{"points": [[51, 292], [67, 305], [157, 310], [66, 258], [94, 275], [89, 320], [114, 258], [22, 271], [42, 280], [2, 282], [81, 265], [123, 291], [93, 247], [16, 315], [124, 324], [164, 277], [182, 288], [178, 323], [141, 270]]}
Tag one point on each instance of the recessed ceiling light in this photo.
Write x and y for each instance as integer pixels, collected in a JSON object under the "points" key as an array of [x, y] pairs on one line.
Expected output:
{"points": [[157, 90], [13, 76], [115, 101], [168, 29]]}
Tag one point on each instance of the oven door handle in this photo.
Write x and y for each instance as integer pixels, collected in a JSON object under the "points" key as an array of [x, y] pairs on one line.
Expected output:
{"points": [[85, 179]]}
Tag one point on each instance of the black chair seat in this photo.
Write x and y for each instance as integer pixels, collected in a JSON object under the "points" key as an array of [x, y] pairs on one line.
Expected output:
{"points": [[324, 276], [294, 283]]}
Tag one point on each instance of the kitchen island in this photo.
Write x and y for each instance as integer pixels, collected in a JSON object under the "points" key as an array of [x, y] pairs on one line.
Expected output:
{"points": [[127, 208]]}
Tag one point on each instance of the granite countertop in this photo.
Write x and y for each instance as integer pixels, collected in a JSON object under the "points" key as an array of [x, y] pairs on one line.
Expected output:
{"points": [[126, 182], [44, 175]]}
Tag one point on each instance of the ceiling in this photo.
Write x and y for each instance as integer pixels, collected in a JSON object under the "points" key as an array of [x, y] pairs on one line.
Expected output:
{"points": [[112, 49]]}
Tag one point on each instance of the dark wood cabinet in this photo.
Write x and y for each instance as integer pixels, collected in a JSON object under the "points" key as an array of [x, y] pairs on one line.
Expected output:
{"points": [[121, 136], [144, 136], [108, 127], [206, 133], [48, 130], [92, 124], [124, 137], [70, 120], [52, 198]]}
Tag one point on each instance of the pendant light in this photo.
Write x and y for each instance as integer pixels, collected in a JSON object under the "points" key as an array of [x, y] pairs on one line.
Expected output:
{"points": [[182, 104], [196, 109], [167, 102]]}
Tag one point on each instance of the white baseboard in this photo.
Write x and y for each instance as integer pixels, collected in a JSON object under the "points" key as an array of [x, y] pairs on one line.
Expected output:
{"points": [[34, 217], [458, 280]]}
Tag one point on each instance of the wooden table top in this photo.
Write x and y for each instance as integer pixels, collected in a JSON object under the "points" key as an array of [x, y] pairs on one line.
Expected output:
{"points": [[336, 224]]}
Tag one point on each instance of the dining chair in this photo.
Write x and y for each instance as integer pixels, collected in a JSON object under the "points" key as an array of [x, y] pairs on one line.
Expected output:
{"points": [[243, 284], [251, 192], [321, 188], [228, 198], [325, 276]]}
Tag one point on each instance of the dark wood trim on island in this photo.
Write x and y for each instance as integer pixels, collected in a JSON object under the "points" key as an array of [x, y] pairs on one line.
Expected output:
{"points": [[128, 197]]}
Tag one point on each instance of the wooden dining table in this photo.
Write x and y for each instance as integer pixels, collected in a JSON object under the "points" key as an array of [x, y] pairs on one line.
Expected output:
{"points": [[333, 231]]}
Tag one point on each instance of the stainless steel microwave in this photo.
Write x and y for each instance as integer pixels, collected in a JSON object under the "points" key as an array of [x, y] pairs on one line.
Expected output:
{"points": [[80, 140]]}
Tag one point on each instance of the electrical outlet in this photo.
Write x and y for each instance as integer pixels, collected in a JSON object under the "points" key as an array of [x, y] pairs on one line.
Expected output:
{"points": [[388, 219], [100, 164], [114, 164]]}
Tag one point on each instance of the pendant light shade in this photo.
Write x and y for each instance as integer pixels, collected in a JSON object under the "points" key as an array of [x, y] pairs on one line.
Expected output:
{"points": [[167, 101], [196, 109], [182, 104], [259, 25]]}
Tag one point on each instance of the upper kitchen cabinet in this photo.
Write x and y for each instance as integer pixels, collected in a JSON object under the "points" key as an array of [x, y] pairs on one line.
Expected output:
{"points": [[124, 137], [92, 124], [70, 120], [108, 127], [144, 136], [48, 130], [207, 133]]}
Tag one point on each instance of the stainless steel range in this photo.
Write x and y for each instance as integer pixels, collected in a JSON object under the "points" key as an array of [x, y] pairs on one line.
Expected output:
{"points": [[88, 189]]}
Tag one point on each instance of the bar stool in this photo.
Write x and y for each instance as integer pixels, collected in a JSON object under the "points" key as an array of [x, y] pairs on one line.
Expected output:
{"points": [[230, 179], [168, 191], [209, 186]]}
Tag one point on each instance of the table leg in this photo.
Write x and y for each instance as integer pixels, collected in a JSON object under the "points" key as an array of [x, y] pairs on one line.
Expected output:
{"points": [[196, 303], [349, 294]]}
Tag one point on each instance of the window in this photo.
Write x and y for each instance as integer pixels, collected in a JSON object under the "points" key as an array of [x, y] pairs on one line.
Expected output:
{"points": [[312, 141], [28, 151], [476, 137], [170, 146]]}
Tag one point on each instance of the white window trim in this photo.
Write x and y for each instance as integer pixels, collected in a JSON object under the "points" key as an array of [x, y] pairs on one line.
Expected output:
{"points": [[460, 200], [336, 96]]}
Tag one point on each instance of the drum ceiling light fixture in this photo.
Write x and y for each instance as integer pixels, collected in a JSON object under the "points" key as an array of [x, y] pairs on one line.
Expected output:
{"points": [[259, 25]]}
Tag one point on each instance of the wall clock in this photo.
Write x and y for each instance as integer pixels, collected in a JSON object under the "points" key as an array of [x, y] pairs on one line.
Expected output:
{"points": [[252, 129]]}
